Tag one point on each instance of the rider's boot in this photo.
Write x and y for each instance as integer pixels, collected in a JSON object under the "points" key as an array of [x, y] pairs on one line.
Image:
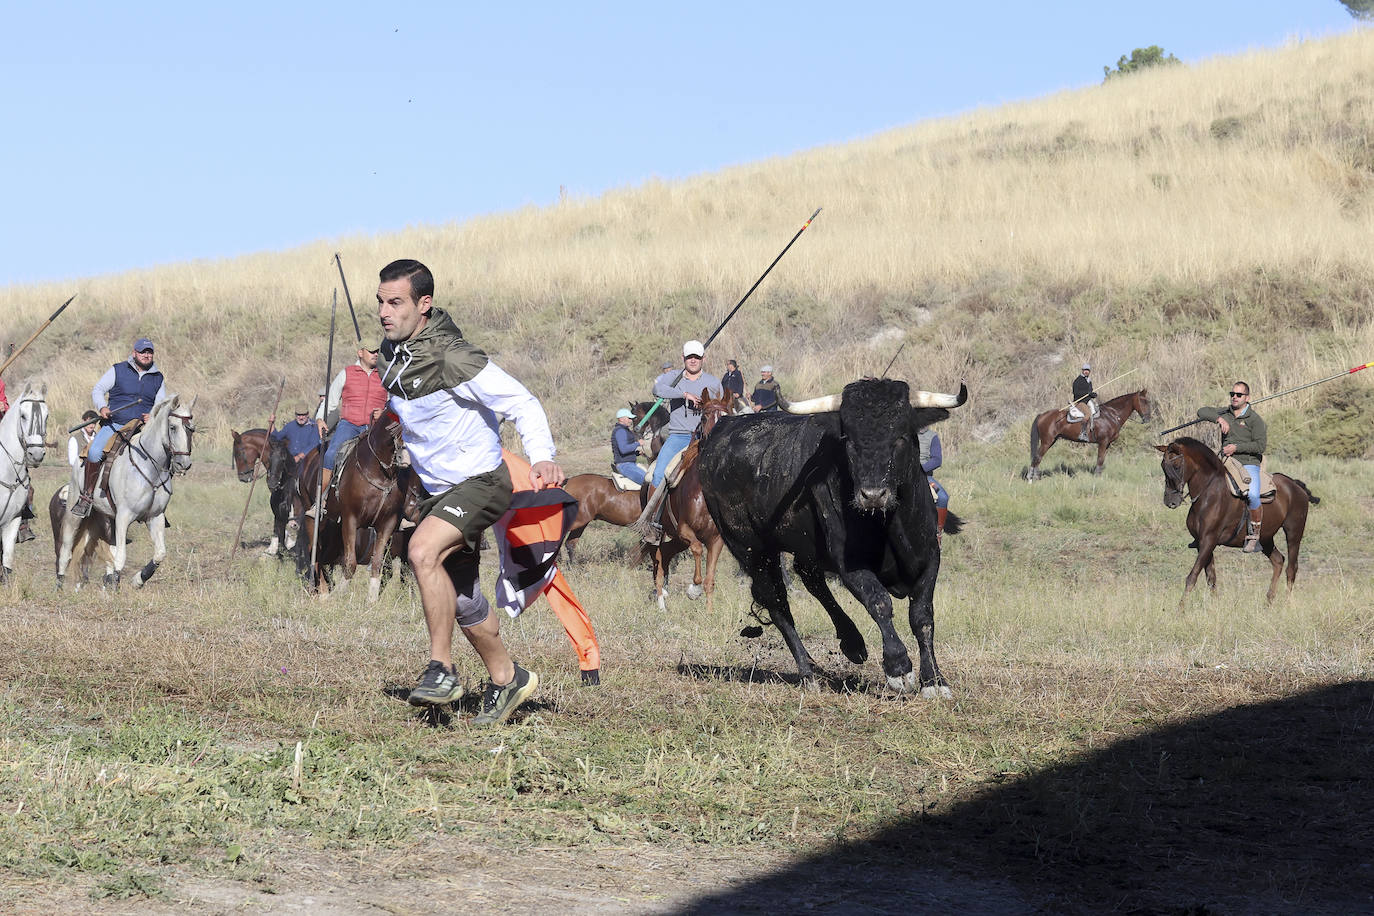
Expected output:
{"points": [[326, 475], [1085, 427], [1253, 532], [655, 535], [940, 516], [82, 507]]}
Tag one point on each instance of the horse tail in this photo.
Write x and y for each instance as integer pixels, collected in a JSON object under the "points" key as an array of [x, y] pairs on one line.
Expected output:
{"points": [[953, 523], [1035, 439], [1311, 497]]}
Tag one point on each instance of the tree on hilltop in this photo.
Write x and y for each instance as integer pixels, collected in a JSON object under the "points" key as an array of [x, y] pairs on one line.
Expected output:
{"points": [[1154, 56], [1360, 9]]}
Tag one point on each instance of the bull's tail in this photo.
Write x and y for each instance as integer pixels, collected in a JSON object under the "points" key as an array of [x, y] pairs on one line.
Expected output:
{"points": [[953, 523]]}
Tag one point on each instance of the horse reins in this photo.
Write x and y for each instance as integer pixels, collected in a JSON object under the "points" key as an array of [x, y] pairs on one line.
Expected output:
{"points": [[37, 430]]}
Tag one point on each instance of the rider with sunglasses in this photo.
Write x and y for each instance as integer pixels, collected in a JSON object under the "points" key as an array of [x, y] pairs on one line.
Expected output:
{"points": [[1243, 437]]}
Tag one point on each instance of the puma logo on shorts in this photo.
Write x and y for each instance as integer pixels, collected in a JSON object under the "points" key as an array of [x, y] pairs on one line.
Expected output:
{"points": [[456, 510]]}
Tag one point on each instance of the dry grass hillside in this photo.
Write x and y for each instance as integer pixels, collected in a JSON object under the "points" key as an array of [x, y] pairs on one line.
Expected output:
{"points": [[1189, 225]]}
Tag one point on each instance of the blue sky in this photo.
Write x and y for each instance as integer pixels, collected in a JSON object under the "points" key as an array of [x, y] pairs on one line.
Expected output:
{"points": [[150, 133]]}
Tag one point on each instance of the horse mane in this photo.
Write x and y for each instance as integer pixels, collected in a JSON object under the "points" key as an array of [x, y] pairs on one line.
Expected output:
{"points": [[1121, 399], [1200, 451]]}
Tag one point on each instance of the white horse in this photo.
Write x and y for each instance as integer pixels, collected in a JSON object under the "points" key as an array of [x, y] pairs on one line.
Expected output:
{"points": [[140, 481], [22, 435]]}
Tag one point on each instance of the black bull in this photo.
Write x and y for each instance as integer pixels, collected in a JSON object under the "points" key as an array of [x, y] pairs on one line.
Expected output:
{"points": [[844, 493]]}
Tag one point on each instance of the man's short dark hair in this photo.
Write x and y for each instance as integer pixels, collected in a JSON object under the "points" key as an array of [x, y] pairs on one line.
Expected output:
{"points": [[732, 364], [421, 280], [1247, 387]]}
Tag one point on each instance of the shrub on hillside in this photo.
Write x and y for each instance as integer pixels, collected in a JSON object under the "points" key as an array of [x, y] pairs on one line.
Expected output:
{"points": [[1140, 59]]}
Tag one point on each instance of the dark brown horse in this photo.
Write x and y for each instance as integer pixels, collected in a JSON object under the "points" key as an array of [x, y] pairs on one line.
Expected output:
{"points": [[657, 420], [361, 510], [250, 448], [1055, 424], [1218, 519]]}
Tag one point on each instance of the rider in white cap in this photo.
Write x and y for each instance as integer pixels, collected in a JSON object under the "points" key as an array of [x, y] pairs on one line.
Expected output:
{"points": [[1084, 402], [684, 401]]}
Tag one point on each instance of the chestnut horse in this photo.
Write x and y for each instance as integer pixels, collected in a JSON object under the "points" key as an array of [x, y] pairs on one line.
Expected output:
{"points": [[1217, 518], [1055, 424], [657, 420], [687, 522], [366, 495], [600, 500], [250, 447]]}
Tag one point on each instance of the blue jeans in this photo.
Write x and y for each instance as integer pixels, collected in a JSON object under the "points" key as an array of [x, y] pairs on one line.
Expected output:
{"points": [[631, 470], [342, 433], [1253, 471], [671, 446], [103, 435], [941, 497]]}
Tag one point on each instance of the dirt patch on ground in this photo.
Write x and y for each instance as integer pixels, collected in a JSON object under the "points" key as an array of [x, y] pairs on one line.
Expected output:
{"points": [[449, 876]]}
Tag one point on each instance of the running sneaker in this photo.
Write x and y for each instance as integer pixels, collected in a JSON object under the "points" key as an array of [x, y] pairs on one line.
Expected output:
{"points": [[499, 702], [437, 686]]}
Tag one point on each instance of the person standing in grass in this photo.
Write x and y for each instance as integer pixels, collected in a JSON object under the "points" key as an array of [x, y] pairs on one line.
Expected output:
{"points": [[1243, 437], [733, 379], [767, 391], [449, 398]]}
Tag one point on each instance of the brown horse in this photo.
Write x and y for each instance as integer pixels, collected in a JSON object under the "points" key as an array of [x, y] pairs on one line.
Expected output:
{"points": [[1055, 424], [1217, 518], [657, 420], [686, 520], [600, 500], [361, 510], [250, 448]]}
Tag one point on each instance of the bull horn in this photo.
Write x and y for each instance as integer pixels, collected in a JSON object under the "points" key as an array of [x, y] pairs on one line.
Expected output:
{"points": [[814, 405], [936, 399]]}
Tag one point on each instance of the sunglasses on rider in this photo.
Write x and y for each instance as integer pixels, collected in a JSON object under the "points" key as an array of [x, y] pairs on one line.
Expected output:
{"points": [[1238, 394]]}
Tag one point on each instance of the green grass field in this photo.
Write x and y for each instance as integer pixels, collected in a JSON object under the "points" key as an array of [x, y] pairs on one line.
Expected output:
{"points": [[150, 738]]}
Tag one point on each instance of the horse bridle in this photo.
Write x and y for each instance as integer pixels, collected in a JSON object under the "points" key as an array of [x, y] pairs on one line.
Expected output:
{"points": [[1174, 481], [34, 436], [188, 423], [394, 428]]}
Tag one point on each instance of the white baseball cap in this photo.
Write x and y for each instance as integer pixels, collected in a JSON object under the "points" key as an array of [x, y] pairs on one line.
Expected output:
{"points": [[763, 369], [693, 348]]}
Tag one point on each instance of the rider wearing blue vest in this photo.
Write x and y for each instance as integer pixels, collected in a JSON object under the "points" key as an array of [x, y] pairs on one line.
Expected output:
{"points": [[126, 392]]}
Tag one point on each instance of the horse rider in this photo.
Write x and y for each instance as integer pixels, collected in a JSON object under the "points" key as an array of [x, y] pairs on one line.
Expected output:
{"points": [[767, 391], [76, 447], [126, 392], [1084, 406], [684, 409], [1243, 437], [449, 398], [300, 437], [931, 458], [625, 448], [355, 394], [733, 379]]}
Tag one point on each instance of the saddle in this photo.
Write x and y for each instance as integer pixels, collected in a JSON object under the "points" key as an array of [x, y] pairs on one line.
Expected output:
{"points": [[1239, 480], [622, 482], [118, 443], [672, 474]]}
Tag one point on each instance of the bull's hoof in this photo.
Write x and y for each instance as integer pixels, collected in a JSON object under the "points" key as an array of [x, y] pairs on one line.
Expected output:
{"points": [[936, 692], [856, 652], [904, 683], [695, 591]]}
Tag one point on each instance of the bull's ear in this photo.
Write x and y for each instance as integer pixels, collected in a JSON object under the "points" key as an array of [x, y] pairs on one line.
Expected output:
{"points": [[1161, 448]]}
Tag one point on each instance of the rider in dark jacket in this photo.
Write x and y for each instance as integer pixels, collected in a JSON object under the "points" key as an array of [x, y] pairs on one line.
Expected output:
{"points": [[125, 393]]}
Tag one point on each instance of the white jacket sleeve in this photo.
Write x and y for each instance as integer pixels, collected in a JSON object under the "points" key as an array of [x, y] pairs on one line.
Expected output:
{"points": [[496, 390]]}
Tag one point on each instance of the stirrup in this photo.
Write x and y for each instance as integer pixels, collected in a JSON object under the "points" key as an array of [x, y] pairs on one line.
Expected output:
{"points": [[82, 507]]}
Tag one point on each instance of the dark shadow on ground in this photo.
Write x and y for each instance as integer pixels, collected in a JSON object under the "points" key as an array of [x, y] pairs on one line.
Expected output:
{"points": [[1267, 808]]}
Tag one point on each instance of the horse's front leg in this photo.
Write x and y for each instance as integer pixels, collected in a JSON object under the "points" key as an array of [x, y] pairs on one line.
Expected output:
{"points": [[379, 551], [157, 533], [348, 526], [1101, 457], [123, 518], [713, 552], [1205, 552], [1276, 560], [9, 536], [695, 590]]}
